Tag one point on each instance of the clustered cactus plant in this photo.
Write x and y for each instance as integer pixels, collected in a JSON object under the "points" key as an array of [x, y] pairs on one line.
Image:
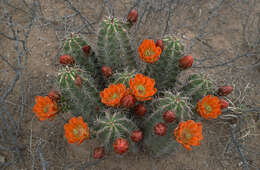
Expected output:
{"points": [[128, 106]]}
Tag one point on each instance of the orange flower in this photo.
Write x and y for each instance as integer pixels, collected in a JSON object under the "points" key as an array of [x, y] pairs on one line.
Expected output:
{"points": [[142, 87], [148, 51], [45, 108], [189, 134], [209, 107], [76, 131], [112, 95]]}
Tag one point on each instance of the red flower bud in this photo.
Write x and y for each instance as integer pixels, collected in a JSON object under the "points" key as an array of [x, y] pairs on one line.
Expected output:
{"points": [[120, 145], [137, 136], [140, 110], [186, 62], [159, 43], [132, 16], [98, 153], [86, 49], [66, 60], [54, 95], [107, 71], [160, 129], [224, 90], [169, 116], [78, 81], [128, 101], [223, 104]]}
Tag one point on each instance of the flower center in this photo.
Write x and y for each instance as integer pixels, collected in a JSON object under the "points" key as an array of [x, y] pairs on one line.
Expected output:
{"points": [[114, 96], [46, 109], [208, 108], [187, 135], [78, 131], [149, 52], [140, 89]]}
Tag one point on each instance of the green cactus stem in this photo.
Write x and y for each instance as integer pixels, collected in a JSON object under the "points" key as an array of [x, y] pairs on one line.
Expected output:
{"points": [[166, 69], [197, 86], [113, 125], [73, 46], [161, 145], [114, 48], [82, 99]]}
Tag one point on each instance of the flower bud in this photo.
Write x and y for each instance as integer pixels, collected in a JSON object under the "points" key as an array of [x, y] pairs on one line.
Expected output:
{"points": [[224, 90], [54, 95], [132, 16], [107, 71], [66, 60], [169, 116], [140, 110], [159, 43], [160, 129], [137, 136], [128, 101], [98, 153], [86, 49], [186, 62], [223, 104]]}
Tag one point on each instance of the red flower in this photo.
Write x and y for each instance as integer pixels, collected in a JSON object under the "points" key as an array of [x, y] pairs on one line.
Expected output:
{"points": [[137, 136], [112, 95], [189, 134], [209, 107], [45, 108], [142, 87], [186, 62], [66, 60], [120, 145], [76, 131], [149, 52], [160, 129]]}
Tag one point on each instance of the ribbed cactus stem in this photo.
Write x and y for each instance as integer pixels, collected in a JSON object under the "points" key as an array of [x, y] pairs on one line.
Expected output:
{"points": [[197, 86], [114, 47], [73, 46], [123, 77], [166, 69], [174, 102], [112, 126], [80, 98]]}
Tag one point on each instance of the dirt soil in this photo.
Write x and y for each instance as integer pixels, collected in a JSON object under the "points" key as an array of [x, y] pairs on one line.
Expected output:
{"points": [[222, 40]]}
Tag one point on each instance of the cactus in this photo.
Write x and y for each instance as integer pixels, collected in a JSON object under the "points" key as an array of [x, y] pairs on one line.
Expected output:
{"points": [[81, 98], [166, 69], [115, 125], [84, 76], [197, 86], [114, 45], [165, 144], [73, 46], [123, 77]]}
